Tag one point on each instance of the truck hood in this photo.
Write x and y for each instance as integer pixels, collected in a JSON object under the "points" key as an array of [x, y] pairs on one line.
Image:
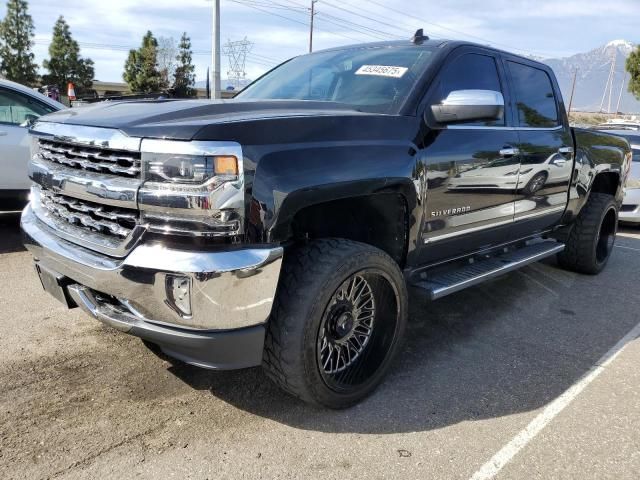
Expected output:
{"points": [[183, 119]]}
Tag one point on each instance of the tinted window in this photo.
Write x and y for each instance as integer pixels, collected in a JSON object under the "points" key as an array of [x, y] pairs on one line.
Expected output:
{"points": [[16, 108], [470, 72], [636, 155], [534, 96], [370, 79]]}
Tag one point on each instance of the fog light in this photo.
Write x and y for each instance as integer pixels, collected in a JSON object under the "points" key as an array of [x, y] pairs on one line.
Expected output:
{"points": [[179, 294]]}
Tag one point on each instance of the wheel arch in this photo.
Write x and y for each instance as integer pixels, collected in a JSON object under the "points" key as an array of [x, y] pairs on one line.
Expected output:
{"points": [[607, 182], [380, 219]]}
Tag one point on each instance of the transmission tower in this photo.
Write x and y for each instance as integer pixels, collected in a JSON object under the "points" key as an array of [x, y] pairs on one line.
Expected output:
{"points": [[236, 53]]}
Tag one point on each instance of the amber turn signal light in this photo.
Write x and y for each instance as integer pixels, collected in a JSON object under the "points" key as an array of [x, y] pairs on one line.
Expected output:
{"points": [[226, 165]]}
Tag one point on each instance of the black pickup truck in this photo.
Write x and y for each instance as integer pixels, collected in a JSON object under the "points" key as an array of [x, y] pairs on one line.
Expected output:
{"points": [[286, 227]]}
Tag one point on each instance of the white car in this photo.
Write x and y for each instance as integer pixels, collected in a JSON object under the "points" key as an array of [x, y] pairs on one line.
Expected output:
{"points": [[20, 106], [509, 174], [630, 210]]}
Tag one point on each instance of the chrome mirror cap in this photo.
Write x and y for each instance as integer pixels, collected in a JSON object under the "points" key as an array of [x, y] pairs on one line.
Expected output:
{"points": [[469, 105]]}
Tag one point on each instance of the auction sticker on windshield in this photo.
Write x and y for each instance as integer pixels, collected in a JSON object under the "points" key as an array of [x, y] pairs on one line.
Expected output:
{"points": [[382, 71]]}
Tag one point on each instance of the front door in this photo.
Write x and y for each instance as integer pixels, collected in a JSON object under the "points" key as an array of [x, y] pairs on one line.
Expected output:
{"points": [[471, 169]]}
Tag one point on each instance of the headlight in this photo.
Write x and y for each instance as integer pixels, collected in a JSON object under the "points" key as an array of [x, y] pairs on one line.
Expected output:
{"points": [[188, 169], [192, 188], [633, 183]]}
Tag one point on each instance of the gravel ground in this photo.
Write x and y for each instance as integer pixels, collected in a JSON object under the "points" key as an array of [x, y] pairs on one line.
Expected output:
{"points": [[82, 401]]}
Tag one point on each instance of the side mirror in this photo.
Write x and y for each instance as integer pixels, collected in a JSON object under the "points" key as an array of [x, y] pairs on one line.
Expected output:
{"points": [[29, 121], [469, 105]]}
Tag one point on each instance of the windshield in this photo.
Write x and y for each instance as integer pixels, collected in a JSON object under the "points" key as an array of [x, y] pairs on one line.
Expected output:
{"points": [[373, 79]]}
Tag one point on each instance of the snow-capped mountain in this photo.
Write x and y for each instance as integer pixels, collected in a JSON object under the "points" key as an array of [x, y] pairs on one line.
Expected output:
{"points": [[593, 72]]}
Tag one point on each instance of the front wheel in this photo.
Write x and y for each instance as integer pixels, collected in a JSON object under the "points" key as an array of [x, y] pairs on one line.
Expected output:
{"points": [[337, 322], [591, 238], [536, 183]]}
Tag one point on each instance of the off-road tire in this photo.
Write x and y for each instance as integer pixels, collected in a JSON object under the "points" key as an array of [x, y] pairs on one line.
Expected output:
{"points": [[585, 250], [311, 275]]}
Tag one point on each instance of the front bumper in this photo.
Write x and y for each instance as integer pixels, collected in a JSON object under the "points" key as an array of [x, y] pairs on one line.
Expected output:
{"points": [[232, 293], [630, 211]]}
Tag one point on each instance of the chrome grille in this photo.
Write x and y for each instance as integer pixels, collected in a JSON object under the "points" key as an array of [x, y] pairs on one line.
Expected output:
{"points": [[116, 162], [118, 222]]}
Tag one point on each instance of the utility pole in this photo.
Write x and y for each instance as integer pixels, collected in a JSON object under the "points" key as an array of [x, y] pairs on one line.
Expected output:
{"points": [[609, 81], [624, 77], [613, 75], [573, 89], [215, 51], [313, 14]]}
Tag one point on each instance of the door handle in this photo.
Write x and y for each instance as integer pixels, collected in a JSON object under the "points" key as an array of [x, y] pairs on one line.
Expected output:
{"points": [[3, 134], [509, 152], [565, 150]]}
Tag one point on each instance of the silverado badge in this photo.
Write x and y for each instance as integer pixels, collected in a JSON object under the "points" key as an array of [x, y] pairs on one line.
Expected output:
{"points": [[451, 211]]}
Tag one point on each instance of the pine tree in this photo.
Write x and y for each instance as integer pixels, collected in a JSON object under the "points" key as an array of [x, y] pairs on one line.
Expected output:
{"points": [[184, 76], [141, 68], [66, 64], [633, 67], [16, 40]]}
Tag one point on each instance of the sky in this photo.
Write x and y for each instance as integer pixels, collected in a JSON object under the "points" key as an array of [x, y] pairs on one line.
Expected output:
{"points": [[279, 29]]}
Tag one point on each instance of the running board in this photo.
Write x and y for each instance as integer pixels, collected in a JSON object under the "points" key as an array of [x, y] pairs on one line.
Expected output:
{"points": [[442, 284]]}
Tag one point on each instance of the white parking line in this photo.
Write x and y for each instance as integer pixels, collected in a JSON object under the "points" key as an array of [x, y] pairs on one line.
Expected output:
{"points": [[628, 248], [500, 459]]}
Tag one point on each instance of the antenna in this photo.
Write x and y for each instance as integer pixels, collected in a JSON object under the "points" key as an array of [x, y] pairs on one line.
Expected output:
{"points": [[236, 53], [419, 37]]}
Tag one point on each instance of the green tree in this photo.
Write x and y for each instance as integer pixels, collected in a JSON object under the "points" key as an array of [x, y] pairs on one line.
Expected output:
{"points": [[16, 40], [141, 68], [185, 79], [633, 67], [66, 64]]}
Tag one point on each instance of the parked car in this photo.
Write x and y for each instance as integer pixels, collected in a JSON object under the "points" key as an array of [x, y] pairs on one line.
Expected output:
{"points": [[286, 227], [20, 106], [508, 173], [630, 209], [619, 124]]}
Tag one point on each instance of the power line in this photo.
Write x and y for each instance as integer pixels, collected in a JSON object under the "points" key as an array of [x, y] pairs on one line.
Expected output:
{"points": [[351, 12], [352, 26], [276, 5], [250, 5], [442, 27], [341, 22], [246, 4]]}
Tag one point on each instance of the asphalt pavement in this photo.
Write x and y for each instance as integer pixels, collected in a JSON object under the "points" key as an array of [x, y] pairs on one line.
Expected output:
{"points": [[523, 377]]}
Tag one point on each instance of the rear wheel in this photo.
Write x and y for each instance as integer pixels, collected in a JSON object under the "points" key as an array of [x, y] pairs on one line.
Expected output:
{"points": [[591, 239], [337, 322]]}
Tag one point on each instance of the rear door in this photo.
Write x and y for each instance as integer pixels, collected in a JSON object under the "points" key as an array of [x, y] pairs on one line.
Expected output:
{"points": [[545, 146], [470, 168], [15, 109]]}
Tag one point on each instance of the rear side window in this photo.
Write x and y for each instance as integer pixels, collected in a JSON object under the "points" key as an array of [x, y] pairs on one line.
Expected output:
{"points": [[636, 154], [471, 71], [535, 99]]}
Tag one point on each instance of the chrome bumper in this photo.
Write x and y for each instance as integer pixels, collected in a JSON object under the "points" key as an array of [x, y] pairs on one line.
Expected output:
{"points": [[230, 289]]}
